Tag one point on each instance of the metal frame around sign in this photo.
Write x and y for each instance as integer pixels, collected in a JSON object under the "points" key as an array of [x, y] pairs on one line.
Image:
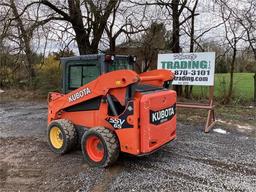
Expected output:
{"points": [[210, 122]]}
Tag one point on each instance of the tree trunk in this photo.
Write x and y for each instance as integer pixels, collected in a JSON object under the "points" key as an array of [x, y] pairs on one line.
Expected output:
{"points": [[89, 27], [232, 68], [176, 27], [76, 20], [176, 36], [112, 45], [81, 41], [30, 62], [189, 88], [146, 65]]}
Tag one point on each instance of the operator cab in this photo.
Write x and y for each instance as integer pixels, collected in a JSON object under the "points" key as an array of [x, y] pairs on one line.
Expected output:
{"points": [[80, 70]]}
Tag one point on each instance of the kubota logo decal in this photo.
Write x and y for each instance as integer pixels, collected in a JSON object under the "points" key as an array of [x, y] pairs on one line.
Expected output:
{"points": [[79, 94], [161, 116]]}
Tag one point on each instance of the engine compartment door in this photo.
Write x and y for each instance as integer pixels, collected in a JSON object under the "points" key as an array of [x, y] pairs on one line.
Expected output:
{"points": [[157, 119]]}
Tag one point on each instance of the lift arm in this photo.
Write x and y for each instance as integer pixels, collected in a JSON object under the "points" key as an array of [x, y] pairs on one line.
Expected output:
{"points": [[96, 88], [156, 77]]}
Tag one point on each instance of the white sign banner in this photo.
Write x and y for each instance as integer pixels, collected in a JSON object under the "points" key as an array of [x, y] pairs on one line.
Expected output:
{"points": [[189, 68]]}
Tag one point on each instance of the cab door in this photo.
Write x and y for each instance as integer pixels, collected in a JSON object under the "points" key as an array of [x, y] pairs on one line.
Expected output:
{"points": [[78, 73]]}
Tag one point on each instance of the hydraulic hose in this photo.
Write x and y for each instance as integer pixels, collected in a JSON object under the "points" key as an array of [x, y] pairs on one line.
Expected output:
{"points": [[112, 105]]}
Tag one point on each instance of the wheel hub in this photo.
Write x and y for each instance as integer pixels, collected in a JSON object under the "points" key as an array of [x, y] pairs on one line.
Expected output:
{"points": [[56, 137], [94, 148]]}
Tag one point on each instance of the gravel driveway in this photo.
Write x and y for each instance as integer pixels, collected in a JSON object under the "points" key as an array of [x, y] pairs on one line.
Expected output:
{"points": [[194, 162]]}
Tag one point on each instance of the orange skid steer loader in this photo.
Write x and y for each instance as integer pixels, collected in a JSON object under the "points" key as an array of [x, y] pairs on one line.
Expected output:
{"points": [[109, 108]]}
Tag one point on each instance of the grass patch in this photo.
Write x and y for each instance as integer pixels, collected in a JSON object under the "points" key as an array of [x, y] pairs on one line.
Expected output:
{"points": [[242, 87]]}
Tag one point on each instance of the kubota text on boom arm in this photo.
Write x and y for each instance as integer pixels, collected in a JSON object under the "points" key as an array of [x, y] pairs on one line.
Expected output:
{"points": [[98, 87], [101, 86]]}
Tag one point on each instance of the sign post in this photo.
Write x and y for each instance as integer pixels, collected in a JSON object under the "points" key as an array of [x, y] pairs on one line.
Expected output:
{"points": [[193, 69]]}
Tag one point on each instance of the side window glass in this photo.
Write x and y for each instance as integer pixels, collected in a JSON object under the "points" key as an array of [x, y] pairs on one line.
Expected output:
{"points": [[75, 77], [90, 73], [82, 72], [119, 64]]}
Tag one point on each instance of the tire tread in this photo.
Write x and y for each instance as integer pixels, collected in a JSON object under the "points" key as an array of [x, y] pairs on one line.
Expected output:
{"points": [[70, 133], [112, 144]]}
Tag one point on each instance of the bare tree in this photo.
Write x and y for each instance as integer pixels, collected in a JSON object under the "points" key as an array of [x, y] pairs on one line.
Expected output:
{"points": [[152, 41], [233, 35], [192, 11], [23, 27], [175, 9], [25, 35], [88, 19], [247, 18], [126, 24]]}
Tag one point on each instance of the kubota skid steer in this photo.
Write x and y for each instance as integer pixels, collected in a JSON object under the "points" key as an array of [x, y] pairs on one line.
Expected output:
{"points": [[109, 108]]}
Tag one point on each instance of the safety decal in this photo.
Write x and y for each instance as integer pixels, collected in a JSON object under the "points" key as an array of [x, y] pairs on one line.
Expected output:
{"points": [[121, 121]]}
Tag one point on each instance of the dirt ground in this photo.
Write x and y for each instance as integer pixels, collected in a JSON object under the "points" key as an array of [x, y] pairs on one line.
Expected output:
{"points": [[222, 160]]}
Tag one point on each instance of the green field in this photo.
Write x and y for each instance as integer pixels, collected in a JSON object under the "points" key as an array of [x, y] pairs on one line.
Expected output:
{"points": [[242, 87]]}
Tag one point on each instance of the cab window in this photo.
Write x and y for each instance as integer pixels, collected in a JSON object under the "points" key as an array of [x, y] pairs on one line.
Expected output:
{"points": [[75, 77], [80, 75], [119, 64]]}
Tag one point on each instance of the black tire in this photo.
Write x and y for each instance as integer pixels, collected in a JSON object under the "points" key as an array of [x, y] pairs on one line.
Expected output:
{"points": [[68, 133], [110, 146]]}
